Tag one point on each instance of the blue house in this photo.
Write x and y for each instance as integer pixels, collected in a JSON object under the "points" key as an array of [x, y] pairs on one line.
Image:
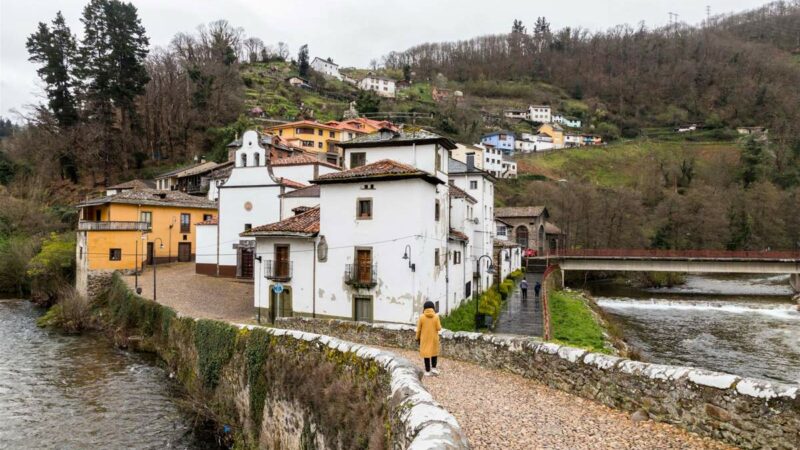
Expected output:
{"points": [[501, 140]]}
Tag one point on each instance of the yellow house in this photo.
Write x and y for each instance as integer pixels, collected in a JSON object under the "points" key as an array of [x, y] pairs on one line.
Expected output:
{"points": [[138, 226], [312, 137], [555, 131]]}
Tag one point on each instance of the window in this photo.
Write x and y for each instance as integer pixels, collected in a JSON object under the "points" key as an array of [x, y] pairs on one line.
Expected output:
{"points": [[304, 131], [307, 143], [436, 257], [186, 222], [147, 217], [319, 132], [319, 144], [473, 184], [332, 134], [456, 257], [207, 217], [436, 213], [256, 159], [244, 159], [357, 159], [248, 226], [364, 209], [115, 254]]}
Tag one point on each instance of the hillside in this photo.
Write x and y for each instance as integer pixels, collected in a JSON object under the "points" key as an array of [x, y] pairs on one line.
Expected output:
{"points": [[663, 194]]}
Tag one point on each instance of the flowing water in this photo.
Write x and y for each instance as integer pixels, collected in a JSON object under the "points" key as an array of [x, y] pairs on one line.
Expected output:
{"points": [[79, 392], [745, 325]]}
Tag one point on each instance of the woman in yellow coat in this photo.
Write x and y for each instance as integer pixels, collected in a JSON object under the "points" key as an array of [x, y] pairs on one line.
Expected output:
{"points": [[428, 327]]}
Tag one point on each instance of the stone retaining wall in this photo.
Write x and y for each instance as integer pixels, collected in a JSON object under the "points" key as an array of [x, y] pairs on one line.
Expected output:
{"points": [[280, 388], [745, 412]]}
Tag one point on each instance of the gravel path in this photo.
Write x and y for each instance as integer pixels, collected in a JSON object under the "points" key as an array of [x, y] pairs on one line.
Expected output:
{"points": [[497, 409], [500, 410]]}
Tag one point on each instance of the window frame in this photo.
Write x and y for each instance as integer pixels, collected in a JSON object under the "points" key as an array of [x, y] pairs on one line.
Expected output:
{"points": [[115, 254], [149, 222], [359, 216], [361, 155], [188, 227]]}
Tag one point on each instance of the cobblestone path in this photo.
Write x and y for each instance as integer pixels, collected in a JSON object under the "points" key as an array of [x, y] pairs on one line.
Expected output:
{"points": [[522, 317]]}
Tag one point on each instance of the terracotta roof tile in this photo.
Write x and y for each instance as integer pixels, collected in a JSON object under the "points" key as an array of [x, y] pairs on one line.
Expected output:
{"points": [[457, 192], [458, 236], [153, 197], [304, 224], [211, 221], [135, 184], [300, 160], [308, 191], [385, 168], [292, 184]]}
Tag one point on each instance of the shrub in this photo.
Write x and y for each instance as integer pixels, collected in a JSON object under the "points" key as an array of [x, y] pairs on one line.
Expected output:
{"points": [[214, 342], [15, 253], [52, 268], [71, 313], [461, 318]]}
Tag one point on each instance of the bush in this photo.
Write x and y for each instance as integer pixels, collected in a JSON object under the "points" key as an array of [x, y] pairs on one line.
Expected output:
{"points": [[461, 318], [15, 254], [52, 268], [71, 314]]}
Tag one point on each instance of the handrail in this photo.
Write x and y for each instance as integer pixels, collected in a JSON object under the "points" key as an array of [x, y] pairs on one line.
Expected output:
{"points": [[112, 225]]}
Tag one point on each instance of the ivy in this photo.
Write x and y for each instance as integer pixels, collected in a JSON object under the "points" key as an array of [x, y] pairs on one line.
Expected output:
{"points": [[256, 354], [215, 342]]}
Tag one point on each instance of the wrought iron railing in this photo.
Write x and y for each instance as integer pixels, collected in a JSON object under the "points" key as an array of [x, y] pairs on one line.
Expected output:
{"points": [[112, 225], [278, 270], [361, 276]]}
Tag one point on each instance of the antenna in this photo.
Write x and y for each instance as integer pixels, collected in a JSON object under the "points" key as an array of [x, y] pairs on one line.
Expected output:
{"points": [[708, 14]]}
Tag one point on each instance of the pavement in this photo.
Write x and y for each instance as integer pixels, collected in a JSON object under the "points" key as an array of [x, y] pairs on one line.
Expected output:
{"points": [[522, 317], [496, 409]]}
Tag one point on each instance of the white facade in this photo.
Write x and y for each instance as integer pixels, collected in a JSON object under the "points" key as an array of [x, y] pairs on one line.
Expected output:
{"points": [[566, 121], [524, 146], [540, 113], [509, 169], [573, 140], [385, 87], [508, 257], [516, 113], [299, 289], [206, 252], [326, 67]]}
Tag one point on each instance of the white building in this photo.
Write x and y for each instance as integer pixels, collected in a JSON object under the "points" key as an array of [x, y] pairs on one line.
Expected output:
{"points": [[389, 234], [516, 113], [507, 257], [530, 143], [573, 140], [249, 196], [509, 168], [326, 67], [484, 157], [385, 87], [566, 121], [479, 184], [540, 113]]}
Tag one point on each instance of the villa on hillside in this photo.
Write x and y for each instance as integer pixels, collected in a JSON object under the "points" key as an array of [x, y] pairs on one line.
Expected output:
{"points": [[326, 67], [383, 86]]}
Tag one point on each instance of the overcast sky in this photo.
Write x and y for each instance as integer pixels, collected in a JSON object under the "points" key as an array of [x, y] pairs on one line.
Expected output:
{"points": [[352, 32]]}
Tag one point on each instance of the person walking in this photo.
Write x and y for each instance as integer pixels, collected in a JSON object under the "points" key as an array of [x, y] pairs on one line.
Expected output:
{"points": [[523, 286], [537, 288], [428, 327]]}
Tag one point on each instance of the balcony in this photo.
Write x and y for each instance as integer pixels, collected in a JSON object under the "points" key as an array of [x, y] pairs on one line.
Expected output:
{"points": [[112, 225], [278, 270], [361, 276]]}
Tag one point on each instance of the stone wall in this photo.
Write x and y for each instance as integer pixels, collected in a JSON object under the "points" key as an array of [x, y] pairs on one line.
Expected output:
{"points": [[96, 282], [745, 412], [280, 388]]}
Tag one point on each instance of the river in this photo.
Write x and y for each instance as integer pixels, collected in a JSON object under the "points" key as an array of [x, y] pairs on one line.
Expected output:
{"points": [[79, 392], [745, 325]]}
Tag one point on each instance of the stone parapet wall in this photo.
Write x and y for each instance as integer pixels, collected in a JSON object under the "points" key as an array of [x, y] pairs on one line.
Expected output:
{"points": [[745, 412], [97, 282], [278, 388]]}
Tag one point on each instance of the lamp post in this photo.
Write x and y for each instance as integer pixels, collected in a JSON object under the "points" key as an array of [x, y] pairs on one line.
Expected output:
{"points": [[489, 270], [407, 256], [155, 259]]}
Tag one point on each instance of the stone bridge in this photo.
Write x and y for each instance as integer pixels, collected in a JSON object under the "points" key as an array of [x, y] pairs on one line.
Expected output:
{"points": [[698, 261]]}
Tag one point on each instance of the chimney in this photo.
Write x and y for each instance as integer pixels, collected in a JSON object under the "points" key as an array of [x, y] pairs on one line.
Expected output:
{"points": [[470, 162]]}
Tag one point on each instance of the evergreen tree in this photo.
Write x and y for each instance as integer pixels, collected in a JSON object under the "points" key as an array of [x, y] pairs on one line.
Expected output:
{"points": [[55, 50], [754, 161], [368, 102], [302, 61], [407, 73], [517, 27]]}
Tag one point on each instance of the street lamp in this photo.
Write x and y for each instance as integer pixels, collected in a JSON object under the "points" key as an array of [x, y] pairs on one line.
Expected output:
{"points": [[161, 246], [489, 270], [407, 256]]}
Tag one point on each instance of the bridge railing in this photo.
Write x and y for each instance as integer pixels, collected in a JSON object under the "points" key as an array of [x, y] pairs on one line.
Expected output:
{"points": [[546, 278], [652, 253]]}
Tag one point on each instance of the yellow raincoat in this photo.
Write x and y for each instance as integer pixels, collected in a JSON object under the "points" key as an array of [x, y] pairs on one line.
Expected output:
{"points": [[428, 327]]}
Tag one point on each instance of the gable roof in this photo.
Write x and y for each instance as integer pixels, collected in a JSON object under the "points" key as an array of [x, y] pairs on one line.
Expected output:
{"points": [[190, 170], [153, 197], [456, 235], [457, 192], [324, 60], [386, 137], [301, 160], [385, 169], [308, 191], [291, 183], [134, 184], [519, 211], [305, 224], [551, 228]]}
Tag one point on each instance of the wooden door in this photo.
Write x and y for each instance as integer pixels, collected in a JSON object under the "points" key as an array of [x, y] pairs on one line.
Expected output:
{"points": [[362, 309], [364, 266], [151, 253], [184, 251], [280, 306], [282, 261], [246, 263]]}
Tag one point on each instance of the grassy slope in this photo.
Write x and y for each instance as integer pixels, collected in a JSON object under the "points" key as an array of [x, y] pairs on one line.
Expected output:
{"points": [[620, 164], [573, 323]]}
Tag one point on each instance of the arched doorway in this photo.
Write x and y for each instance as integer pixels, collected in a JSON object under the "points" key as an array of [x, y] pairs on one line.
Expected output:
{"points": [[522, 236]]}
